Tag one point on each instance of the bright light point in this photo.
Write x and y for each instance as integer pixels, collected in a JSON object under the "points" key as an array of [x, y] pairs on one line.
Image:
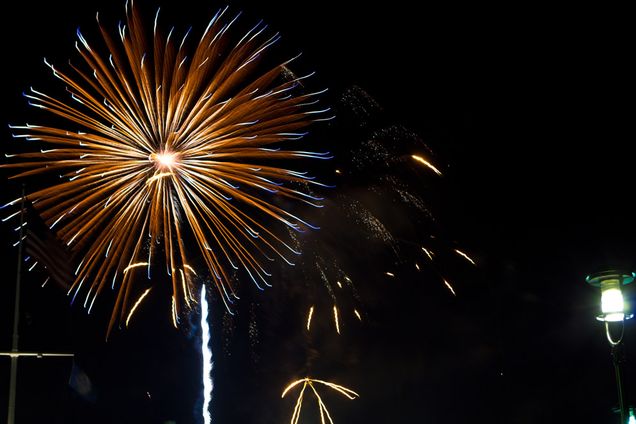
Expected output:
{"points": [[390, 274], [612, 298], [427, 164], [165, 160], [612, 301]]}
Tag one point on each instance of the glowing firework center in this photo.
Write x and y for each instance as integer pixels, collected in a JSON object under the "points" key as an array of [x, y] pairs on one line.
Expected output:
{"points": [[165, 160]]}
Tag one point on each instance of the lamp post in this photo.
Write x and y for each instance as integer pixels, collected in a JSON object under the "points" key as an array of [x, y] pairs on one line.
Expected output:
{"points": [[614, 314]]}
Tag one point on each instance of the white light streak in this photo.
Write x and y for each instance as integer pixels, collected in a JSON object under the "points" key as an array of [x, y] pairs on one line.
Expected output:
{"points": [[465, 256], [311, 313], [206, 353], [428, 253], [450, 287]]}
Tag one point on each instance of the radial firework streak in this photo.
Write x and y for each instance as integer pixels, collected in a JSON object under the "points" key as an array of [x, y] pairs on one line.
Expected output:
{"points": [[311, 382], [175, 144]]}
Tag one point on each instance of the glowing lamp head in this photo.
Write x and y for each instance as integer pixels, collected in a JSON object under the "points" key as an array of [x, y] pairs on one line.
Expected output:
{"points": [[164, 160], [612, 301]]}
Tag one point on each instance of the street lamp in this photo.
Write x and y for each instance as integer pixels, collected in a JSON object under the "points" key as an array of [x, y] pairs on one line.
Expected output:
{"points": [[614, 312]]}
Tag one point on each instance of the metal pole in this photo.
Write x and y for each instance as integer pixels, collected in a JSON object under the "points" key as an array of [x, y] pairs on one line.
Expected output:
{"points": [[616, 359], [16, 320]]}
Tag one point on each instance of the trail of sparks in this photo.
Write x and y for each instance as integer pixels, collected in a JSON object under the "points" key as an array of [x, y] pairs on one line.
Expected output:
{"points": [[355, 311], [449, 287], [137, 265], [177, 146], [310, 382], [132, 310], [335, 318], [175, 318], [206, 353], [427, 164], [309, 316], [465, 256]]}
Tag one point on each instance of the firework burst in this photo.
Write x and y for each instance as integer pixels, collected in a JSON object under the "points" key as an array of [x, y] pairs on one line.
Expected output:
{"points": [[311, 383], [175, 146]]}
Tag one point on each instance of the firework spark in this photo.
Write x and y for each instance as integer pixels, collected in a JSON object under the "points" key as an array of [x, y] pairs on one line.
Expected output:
{"points": [[175, 146], [335, 318], [465, 256], [309, 316], [428, 253], [206, 354], [310, 382], [136, 305], [447, 284], [426, 163], [357, 314]]}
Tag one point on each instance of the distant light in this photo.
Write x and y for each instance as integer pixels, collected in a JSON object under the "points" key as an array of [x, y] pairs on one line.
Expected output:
{"points": [[632, 418], [612, 301]]}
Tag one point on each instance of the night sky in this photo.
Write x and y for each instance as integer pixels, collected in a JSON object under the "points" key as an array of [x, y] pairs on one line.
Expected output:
{"points": [[525, 110]]}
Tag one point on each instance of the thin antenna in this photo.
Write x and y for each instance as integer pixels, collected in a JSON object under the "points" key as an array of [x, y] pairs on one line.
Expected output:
{"points": [[15, 353], [16, 318]]}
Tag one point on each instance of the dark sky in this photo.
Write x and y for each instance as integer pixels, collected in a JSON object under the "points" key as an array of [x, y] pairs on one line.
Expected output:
{"points": [[526, 110]]}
